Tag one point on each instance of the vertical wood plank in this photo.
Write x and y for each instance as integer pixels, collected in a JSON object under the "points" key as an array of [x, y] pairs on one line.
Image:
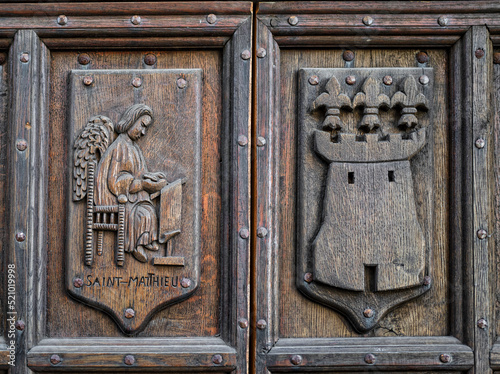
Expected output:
{"points": [[482, 177], [267, 178], [28, 187], [235, 292]]}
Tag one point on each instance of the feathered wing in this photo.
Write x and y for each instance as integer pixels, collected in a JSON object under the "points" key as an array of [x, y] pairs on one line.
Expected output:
{"points": [[89, 146]]}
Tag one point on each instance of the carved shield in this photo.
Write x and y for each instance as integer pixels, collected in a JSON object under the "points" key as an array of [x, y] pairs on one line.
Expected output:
{"points": [[364, 227], [133, 243]]}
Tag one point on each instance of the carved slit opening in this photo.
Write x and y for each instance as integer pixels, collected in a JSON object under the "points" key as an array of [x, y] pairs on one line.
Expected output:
{"points": [[350, 177], [391, 175], [370, 278]]}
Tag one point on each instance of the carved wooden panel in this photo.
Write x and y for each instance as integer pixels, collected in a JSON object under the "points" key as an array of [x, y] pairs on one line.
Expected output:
{"points": [[361, 246], [134, 219]]}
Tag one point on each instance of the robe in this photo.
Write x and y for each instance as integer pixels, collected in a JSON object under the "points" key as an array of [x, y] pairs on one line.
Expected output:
{"points": [[121, 164]]}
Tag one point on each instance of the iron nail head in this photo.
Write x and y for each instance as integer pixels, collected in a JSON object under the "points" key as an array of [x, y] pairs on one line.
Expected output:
{"points": [[293, 20], [480, 143], [296, 359], [150, 59], [136, 20], [370, 358], [261, 52], [78, 282], [217, 359], [261, 141], [242, 140], [83, 59], [21, 145], [211, 19], [387, 80], [20, 325], [261, 232], [482, 324], [350, 80], [185, 282], [243, 323], [348, 55], [20, 236], [368, 313], [496, 58], [482, 234], [88, 80], [313, 80], [129, 360], [244, 233], [137, 82], [245, 55], [443, 21], [422, 57], [367, 20], [445, 357], [423, 79], [25, 57], [181, 83], [261, 324], [129, 313], [427, 280], [479, 53], [55, 359], [308, 277], [62, 20]]}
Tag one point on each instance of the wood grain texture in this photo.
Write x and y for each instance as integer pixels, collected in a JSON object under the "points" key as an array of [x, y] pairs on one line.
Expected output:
{"points": [[200, 316], [425, 316]]}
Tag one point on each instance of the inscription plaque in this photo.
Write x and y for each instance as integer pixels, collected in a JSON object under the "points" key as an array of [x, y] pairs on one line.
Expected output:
{"points": [[134, 213]]}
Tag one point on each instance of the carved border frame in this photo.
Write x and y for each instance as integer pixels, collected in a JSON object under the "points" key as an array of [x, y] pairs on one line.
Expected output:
{"points": [[395, 24], [33, 28]]}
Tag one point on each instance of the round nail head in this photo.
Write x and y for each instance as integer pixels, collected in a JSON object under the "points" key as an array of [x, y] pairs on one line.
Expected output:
{"points": [[83, 59], [245, 55], [261, 52], [480, 143], [21, 145], [261, 232], [20, 325], [137, 82], [348, 55], [427, 280], [350, 80], [88, 80], [242, 140], [261, 141], [370, 358], [20, 236], [482, 324], [217, 359], [482, 234], [313, 80], [78, 282], [243, 323], [496, 58], [181, 83], [367, 20], [308, 277], [185, 282], [211, 19], [424, 79], [261, 324], [445, 358], [55, 359], [129, 360], [368, 313], [136, 20], [443, 21], [422, 57], [25, 57], [479, 53], [387, 80], [62, 20], [296, 359], [293, 20], [150, 59], [129, 313], [244, 233]]}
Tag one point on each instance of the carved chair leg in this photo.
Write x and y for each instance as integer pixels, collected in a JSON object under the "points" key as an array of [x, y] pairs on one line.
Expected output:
{"points": [[120, 251], [100, 240]]}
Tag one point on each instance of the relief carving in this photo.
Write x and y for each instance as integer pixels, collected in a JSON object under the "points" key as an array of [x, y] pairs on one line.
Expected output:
{"points": [[360, 239], [133, 240]]}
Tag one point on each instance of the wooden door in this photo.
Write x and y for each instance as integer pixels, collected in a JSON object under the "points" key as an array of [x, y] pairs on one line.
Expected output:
{"points": [[249, 187], [375, 201], [125, 133]]}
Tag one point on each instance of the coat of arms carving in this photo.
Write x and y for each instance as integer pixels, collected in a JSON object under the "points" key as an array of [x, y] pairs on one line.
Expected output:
{"points": [[363, 235], [133, 243]]}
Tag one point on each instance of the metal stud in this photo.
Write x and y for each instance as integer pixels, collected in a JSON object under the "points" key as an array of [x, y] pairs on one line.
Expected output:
{"points": [[129, 360], [261, 232], [293, 20], [181, 83], [479, 53], [482, 234], [78, 282], [482, 324], [243, 323], [137, 82], [367, 20], [217, 359], [129, 313], [368, 313], [348, 55], [185, 282], [387, 80], [83, 59], [242, 140], [21, 145], [20, 325], [350, 80], [55, 359], [496, 58], [62, 20], [308, 277], [25, 57], [313, 80], [150, 59], [20, 236], [422, 57], [261, 324], [427, 280], [443, 21], [445, 357], [211, 19], [136, 20], [261, 52], [88, 80], [245, 55], [480, 143], [370, 358], [244, 233], [296, 359], [261, 141], [424, 79]]}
